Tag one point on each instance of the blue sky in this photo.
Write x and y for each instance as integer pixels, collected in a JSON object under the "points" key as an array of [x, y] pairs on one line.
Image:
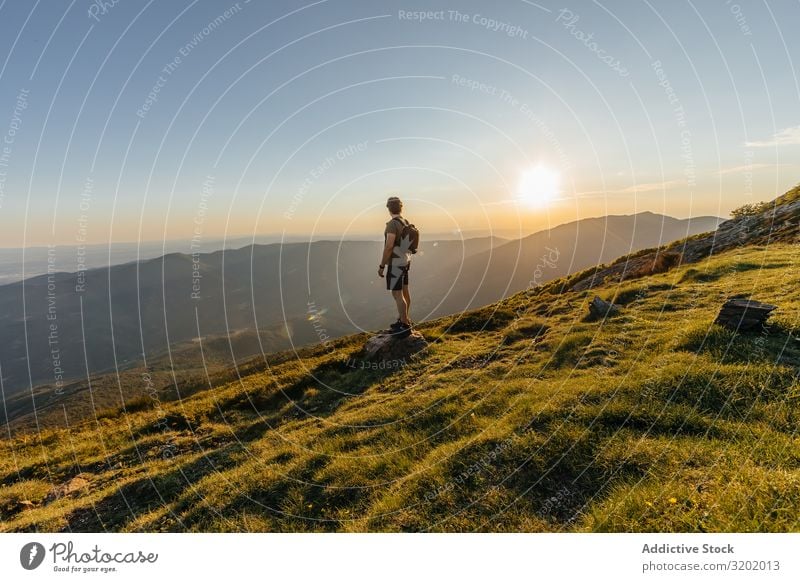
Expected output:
{"points": [[299, 117]]}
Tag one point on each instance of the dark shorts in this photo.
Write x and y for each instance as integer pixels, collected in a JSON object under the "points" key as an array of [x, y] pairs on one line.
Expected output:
{"points": [[396, 277]]}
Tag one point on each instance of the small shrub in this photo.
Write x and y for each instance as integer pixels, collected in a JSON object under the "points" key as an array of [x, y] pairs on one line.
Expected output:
{"points": [[666, 261], [751, 209]]}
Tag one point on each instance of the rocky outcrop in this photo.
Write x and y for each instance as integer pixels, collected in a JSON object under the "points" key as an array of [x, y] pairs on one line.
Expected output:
{"points": [[742, 314], [389, 348], [779, 222], [71, 487], [599, 308]]}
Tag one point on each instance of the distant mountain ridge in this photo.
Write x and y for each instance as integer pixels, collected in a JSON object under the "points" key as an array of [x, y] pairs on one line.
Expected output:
{"points": [[566, 249]]}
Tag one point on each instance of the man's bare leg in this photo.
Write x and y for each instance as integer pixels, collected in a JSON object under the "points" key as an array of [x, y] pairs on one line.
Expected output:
{"points": [[402, 306], [407, 297]]}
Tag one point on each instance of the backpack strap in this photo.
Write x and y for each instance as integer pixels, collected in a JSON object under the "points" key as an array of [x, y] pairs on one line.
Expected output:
{"points": [[405, 223]]}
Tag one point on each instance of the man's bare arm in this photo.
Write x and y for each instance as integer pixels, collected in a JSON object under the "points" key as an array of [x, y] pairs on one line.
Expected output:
{"points": [[388, 248]]}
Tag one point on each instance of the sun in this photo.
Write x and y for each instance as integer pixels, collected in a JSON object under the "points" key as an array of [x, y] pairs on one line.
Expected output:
{"points": [[538, 185]]}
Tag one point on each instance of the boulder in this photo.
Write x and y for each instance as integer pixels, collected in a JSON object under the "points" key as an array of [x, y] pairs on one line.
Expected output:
{"points": [[394, 348], [74, 485], [599, 308], [742, 314]]}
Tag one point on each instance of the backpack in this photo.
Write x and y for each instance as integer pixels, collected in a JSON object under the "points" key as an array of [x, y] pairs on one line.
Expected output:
{"points": [[410, 232]]}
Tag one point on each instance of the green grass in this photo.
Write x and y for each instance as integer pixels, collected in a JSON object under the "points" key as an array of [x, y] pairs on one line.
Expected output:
{"points": [[522, 416]]}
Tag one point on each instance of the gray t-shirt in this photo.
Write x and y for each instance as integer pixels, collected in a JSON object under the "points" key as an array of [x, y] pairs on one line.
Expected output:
{"points": [[401, 256]]}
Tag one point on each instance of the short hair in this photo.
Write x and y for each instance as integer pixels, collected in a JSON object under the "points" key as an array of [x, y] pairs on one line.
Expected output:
{"points": [[395, 205]]}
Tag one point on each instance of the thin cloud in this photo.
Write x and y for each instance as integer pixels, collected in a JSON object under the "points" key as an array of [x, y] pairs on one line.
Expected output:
{"points": [[646, 187], [750, 168], [651, 187], [788, 136]]}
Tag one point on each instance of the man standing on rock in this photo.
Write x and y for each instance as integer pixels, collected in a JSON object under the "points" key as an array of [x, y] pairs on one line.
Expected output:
{"points": [[397, 251]]}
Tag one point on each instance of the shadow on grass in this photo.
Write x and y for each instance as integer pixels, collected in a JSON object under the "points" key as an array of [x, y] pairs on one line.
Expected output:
{"points": [[774, 343], [317, 393], [126, 503], [694, 275]]}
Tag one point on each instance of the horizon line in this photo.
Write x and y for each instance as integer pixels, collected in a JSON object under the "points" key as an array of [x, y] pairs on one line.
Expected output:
{"points": [[322, 237]]}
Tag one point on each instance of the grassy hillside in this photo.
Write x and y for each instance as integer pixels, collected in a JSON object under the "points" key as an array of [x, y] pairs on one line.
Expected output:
{"points": [[187, 368], [524, 416]]}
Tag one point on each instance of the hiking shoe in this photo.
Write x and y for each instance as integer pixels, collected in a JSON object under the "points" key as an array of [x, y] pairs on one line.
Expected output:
{"points": [[400, 330], [396, 325]]}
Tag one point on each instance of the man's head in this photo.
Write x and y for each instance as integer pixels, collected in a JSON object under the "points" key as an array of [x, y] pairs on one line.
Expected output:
{"points": [[395, 205]]}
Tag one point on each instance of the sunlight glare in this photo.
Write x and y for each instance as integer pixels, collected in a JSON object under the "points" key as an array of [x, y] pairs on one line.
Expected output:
{"points": [[538, 185]]}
